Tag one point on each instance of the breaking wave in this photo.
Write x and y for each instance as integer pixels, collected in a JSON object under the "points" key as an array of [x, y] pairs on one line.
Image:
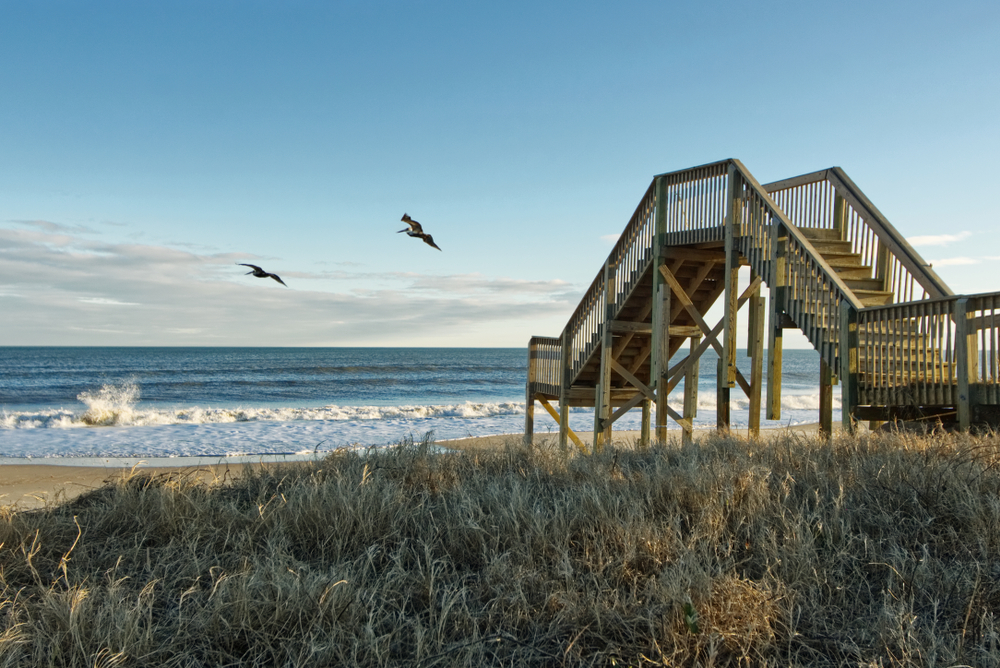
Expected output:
{"points": [[116, 406]]}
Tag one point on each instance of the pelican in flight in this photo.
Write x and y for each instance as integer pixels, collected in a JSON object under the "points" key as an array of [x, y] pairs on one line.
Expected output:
{"points": [[414, 230], [260, 273]]}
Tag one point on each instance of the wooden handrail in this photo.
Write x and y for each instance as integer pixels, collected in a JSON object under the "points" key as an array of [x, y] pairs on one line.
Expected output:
{"points": [[889, 238], [898, 245], [800, 238]]}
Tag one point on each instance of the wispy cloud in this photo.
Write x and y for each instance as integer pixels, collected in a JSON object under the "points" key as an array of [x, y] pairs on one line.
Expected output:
{"points": [[49, 226], [610, 239], [106, 302], [938, 239], [87, 291]]}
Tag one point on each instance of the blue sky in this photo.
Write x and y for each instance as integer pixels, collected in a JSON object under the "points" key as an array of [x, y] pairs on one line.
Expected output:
{"points": [[145, 148]]}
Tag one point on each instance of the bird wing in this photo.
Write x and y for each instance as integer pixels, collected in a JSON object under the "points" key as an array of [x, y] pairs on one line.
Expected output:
{"points": [[249, 265], [429, 240], [414, 225], [275, 277]]}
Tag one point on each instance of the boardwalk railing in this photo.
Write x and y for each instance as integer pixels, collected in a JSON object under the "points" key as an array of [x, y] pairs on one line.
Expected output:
{"points": [[545, 364], [629, 259], [930, 352], [830, 200], [809, 290]]}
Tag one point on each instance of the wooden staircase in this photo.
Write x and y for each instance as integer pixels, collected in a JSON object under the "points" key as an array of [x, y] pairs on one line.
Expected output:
{"points": [[899, 341], [860, 278]]}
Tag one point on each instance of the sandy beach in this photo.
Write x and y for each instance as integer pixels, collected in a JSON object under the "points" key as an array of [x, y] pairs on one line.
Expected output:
{"points": [[33, 483]]}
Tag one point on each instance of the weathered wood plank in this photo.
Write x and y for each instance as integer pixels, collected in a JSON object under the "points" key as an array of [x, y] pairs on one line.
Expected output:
{"points": [[556, 416], [757, 356]]}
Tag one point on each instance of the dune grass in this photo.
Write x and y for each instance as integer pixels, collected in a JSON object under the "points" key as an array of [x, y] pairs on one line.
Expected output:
{"points": [[879, 550]]}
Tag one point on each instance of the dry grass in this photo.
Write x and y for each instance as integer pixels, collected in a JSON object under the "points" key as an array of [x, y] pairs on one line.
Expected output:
{"points": [[874, 551]]}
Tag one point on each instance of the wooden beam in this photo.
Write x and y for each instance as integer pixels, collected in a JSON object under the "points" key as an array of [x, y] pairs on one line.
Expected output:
{"points": [[967, 364], [644, 428], [733, 223], [623, 341], [689, 305], [633, 381], [691, 393], [756, 307], [692, 254], [556, 416], [848, 365], [529, 399], [628, 326], [722, 404], [681, 366], [679, 419], [685, 331], [660, 356], [602, 389], [642, 356], [825, 399], [564, 390], [644, 329], [693, 287], [775, 321], [625, 408]]}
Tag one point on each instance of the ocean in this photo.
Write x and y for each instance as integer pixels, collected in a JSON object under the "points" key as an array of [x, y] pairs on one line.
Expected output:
{"points": [[81, 404]]}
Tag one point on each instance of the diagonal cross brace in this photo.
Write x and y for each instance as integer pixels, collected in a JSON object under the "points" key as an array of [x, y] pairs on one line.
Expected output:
{"points": [[676, 373], [547, 406]]}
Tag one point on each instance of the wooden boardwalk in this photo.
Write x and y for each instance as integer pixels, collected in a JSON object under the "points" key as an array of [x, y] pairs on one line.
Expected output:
{"points": [[888, 330]]}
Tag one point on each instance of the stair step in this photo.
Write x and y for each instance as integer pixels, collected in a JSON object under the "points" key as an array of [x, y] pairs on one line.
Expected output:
{"points": [[844, 260], [853, 272], [824, 233], [837, 246], [873, 297], [861, 284]]}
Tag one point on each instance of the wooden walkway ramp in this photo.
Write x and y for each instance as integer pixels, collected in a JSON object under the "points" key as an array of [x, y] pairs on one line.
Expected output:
{"points": [[888, 330]]}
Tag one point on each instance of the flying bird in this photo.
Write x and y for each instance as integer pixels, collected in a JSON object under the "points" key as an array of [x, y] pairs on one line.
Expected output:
{"points": [[415, 230], [260, 273]]}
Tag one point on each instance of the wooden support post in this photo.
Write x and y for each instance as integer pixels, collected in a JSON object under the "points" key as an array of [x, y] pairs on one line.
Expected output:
{"points": [[848, 364], [661, 316], [660, 355], [529, 416], [727, 362], [825, 399], [734, 213], [756, 337], [602, 400], [644, 429], [967, 364], [564, 388], [529, 397], [691, 392], [774, 322], [721, 399]]}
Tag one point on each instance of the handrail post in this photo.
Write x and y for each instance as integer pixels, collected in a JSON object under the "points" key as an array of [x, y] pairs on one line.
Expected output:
{"points": [[965, 363], [529, 396], [727, 369], [774, 322], [839, 214], [564, 389], [660, 340], [602, 398], [848, 364]]}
